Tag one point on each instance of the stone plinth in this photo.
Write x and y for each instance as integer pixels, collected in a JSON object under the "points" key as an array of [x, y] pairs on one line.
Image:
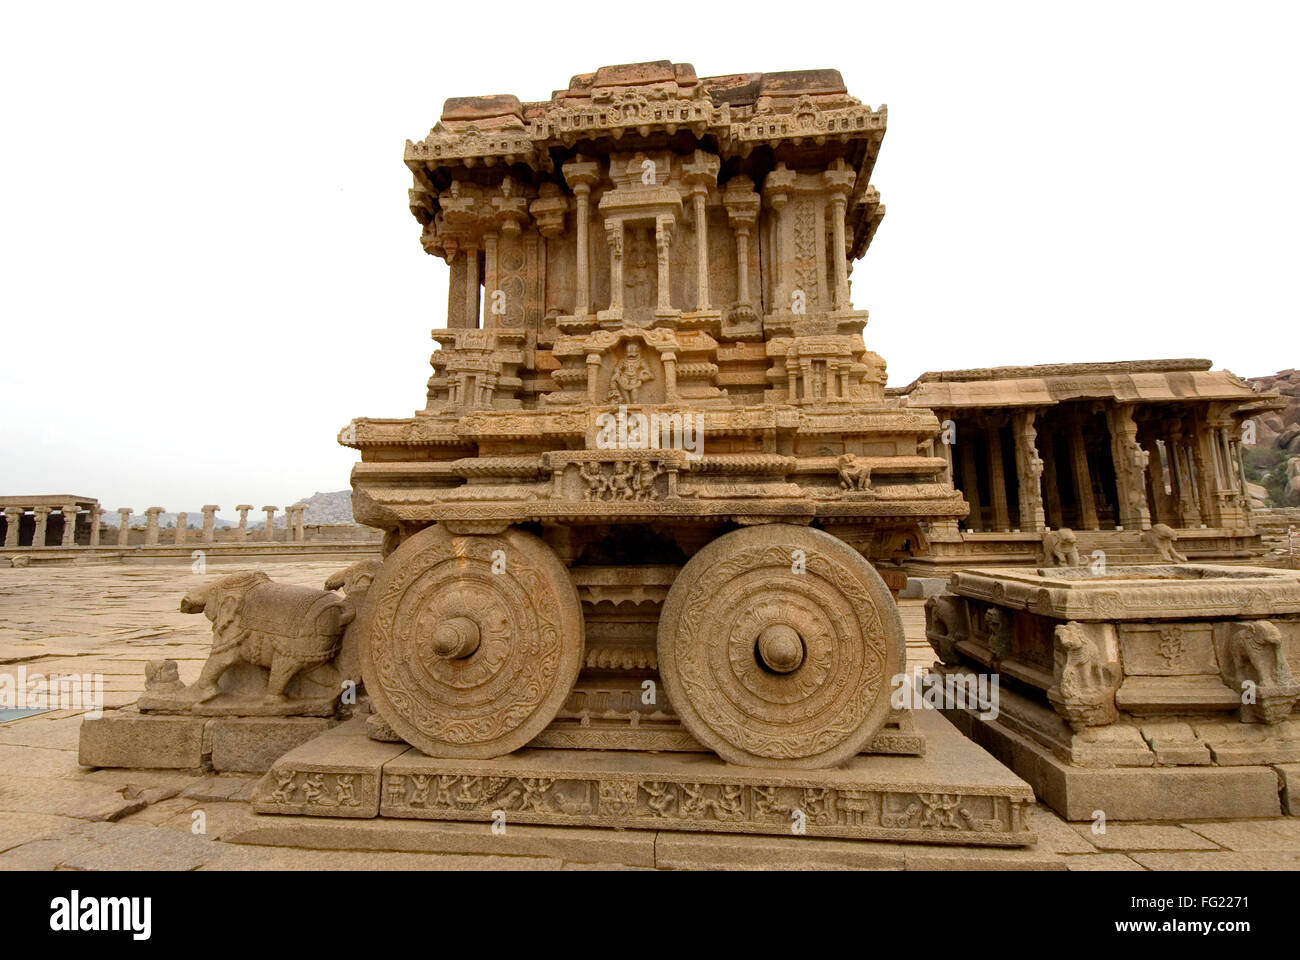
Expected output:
{"points": [[1177, 673], [956, 794]]}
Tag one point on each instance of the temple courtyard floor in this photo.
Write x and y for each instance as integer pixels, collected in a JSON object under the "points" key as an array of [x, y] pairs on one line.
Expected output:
{"points": [[111, 619]]}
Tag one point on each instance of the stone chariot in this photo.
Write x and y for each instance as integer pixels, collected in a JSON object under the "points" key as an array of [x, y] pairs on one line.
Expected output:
{"points": [[640, 506]]}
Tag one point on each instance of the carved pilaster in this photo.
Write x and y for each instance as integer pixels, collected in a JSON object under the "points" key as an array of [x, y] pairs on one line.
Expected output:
{"points": [[1029, 472]]}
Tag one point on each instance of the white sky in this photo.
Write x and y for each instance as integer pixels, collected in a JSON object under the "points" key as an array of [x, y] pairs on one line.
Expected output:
{"points": [[207, 266]]}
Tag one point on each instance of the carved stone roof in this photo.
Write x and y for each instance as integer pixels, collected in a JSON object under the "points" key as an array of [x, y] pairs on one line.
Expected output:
{"points": [[752, 121], [1126, 381]]}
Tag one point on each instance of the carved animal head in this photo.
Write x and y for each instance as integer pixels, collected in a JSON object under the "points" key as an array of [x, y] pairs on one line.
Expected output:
{"points": [[1163, 532], [219, 600], [1070, 638], [355, 580]]}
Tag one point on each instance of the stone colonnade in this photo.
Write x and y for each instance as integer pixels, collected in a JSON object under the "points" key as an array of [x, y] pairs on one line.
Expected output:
{"points": [[74, 517], [18, 519], [1098, 466]]}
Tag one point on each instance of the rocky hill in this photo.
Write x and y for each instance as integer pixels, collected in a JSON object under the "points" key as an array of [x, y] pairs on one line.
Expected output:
{"points": [[322, 509], [1273, 461]]}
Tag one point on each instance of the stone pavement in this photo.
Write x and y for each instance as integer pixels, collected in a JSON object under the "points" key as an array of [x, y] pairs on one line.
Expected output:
{"points": [[112, 618]]}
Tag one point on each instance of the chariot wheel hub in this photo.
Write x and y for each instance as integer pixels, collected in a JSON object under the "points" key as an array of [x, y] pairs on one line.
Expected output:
{"points": [[780, 648], [455, 639]]}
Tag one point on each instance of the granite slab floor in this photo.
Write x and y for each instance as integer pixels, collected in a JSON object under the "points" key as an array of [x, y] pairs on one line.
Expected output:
{"points": [[111, 619]]}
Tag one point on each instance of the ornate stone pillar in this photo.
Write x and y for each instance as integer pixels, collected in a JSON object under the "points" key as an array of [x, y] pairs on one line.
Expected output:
{"points": [[1029, 472], [209, 522], [270, 522], [151, 526], [663, 249], [699, 196], [970, 485], [1206, 478], [614, 236], [471, 286], [779, 188], [182, 519], [700, 173], [123, 526], [96, 518], [742, 203], [1051, 486], [42, 520], [839, 180], [1183, 481], [1130, 468], [669, 359], [491, 279], [69, 525], [243, 509], [581, 174], [997, 480], [295, 521], [593, 377], [13, 520], [1087, 504]]}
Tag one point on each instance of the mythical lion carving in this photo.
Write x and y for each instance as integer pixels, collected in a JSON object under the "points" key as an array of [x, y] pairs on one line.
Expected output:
{"points": [[1161, 538], [943, 628], [1060, 548], [1085, 683], [1260, 671]]}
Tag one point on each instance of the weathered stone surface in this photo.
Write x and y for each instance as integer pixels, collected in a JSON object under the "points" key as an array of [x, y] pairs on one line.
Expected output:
{"points": [[685, 851], [253, 744], [37, 761], [18, 827], [66, 797], [125, 738], [1251, 835], [1128, 837], [1220, 860], [102, 846], [225, 787], [236, 857], [631, 847], [1107, 862]]}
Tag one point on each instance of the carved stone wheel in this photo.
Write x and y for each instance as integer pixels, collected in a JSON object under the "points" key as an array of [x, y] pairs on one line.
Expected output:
{"points": [[777, 644], [470, 645]]}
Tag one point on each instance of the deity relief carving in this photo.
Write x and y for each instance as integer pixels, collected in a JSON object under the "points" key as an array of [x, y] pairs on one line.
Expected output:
{"points": [[630, 373]]}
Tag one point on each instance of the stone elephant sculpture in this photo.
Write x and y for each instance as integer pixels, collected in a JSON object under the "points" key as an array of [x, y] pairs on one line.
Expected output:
{"points": [[282, 627]]}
